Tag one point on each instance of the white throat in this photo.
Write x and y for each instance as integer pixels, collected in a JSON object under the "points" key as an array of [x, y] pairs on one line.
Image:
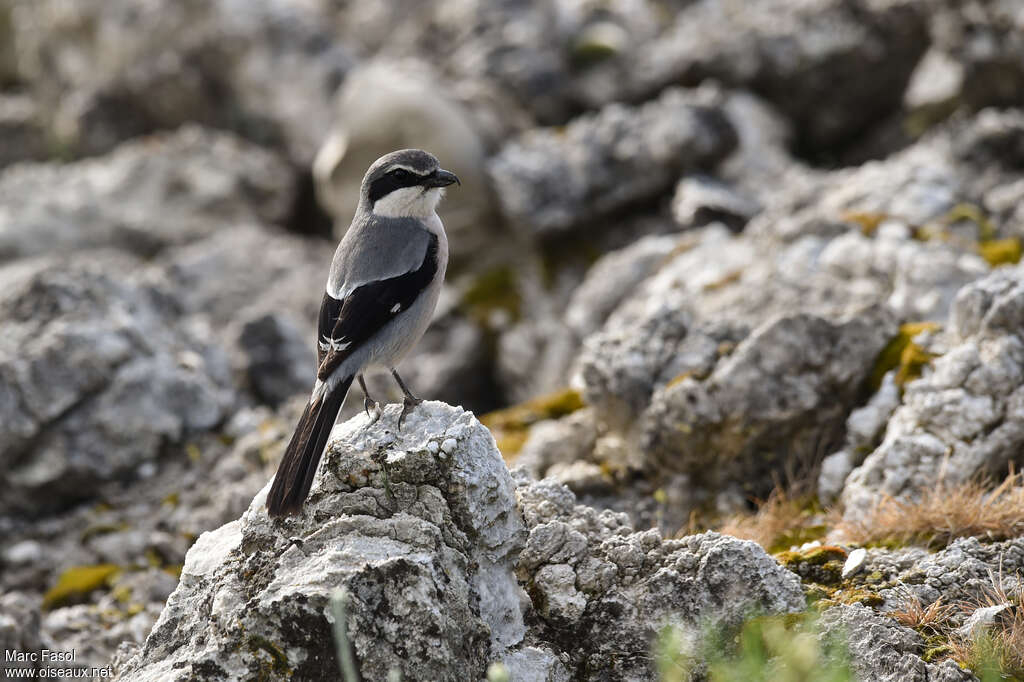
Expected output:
{"points": [[409, 202]]}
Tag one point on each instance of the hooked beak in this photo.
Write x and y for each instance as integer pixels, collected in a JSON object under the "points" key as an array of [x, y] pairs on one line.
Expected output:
{"points": [[441, 178]]}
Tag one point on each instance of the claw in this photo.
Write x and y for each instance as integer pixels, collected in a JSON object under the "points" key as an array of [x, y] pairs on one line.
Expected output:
{"points": [[407, 406], [369, 403]]}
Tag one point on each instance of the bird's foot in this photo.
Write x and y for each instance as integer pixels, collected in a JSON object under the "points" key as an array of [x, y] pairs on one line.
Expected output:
{"points": [[407, 406], [373, 410]]}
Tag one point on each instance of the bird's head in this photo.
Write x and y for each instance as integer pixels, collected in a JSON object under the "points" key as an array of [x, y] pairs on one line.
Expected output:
{"points": [[406, 183]]}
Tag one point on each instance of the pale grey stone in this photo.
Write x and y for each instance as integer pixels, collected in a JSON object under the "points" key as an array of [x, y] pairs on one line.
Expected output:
{"points": [[107, 71], [535, 664], [854, 562], [983, 619]]}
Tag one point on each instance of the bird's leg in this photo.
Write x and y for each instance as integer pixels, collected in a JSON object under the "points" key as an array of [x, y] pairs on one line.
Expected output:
{"points": [[369, 403], [410, 401]]}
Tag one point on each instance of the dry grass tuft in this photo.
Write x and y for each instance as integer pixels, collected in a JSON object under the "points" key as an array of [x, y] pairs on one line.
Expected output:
{"points": [[997, 654], [934, 619], [781, 521], [945, 513]]}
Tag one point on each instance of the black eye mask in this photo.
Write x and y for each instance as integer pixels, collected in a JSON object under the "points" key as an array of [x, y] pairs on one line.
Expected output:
{"points": [[389, 182]]}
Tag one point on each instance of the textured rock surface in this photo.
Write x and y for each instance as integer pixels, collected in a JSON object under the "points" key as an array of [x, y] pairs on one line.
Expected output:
{"points": [[19, 626], [603, 590], [168, 189], [612, 279], [97, 376], [423, 529], [967, 570], [143, 530], [638, 220], [834, 66], [984, 47], [864, 428], [965, 416], [782, 393], [551, 181], [420, 527], [884, 651], [132, 69]]}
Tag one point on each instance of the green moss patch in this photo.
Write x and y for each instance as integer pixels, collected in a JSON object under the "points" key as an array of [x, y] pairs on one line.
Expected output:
{"points": [[822, 564], [76, 583], [903, 355], [1000, 251], [867, 221], [511, 426], [799, 535], [98, 529], [278, 661], [493, 290]]}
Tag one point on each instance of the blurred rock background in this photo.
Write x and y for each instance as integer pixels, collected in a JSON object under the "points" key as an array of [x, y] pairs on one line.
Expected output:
{"points": [[702, 247]]}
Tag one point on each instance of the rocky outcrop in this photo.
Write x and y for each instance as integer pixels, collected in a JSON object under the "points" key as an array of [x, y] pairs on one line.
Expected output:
{"points": [[667, 226], [603, 591], [833, 66], [418, 527], [169, 189], [964, 417], [967, 571], [97, 376], [974, 60], [882, 650], [426, 533], [110, 71], [552, 181], [769, 406]]}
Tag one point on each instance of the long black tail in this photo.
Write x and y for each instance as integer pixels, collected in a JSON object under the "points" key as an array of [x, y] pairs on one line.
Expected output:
{"points": [[298, 466]]}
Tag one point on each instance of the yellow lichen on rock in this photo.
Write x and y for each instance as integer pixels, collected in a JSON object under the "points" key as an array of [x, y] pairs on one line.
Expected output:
{"points": [[510, 426], [868, 221], [77, 582], [1000, 251], [903, 355]]}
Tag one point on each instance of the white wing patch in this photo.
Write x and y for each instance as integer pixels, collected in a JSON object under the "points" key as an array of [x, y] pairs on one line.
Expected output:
{"points": [[396, 307], [327, 344]]}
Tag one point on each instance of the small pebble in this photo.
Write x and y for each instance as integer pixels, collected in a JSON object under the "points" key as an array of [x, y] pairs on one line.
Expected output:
{"points": [[24, 552], [854, 562]]}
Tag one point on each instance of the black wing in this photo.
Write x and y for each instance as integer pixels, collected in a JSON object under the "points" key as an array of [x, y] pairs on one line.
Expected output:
{"points": [[330, 309], [346, 325]]}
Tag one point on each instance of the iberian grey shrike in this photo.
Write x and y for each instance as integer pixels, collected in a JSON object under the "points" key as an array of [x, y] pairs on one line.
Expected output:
{"points": [[381, 292]]}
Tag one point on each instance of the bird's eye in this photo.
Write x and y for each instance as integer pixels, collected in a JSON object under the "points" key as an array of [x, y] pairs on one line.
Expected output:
{"points": [[400, 174]]}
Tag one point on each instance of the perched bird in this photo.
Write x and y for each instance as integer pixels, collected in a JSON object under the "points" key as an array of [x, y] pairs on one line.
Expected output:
{"points": [[381, 291]]}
